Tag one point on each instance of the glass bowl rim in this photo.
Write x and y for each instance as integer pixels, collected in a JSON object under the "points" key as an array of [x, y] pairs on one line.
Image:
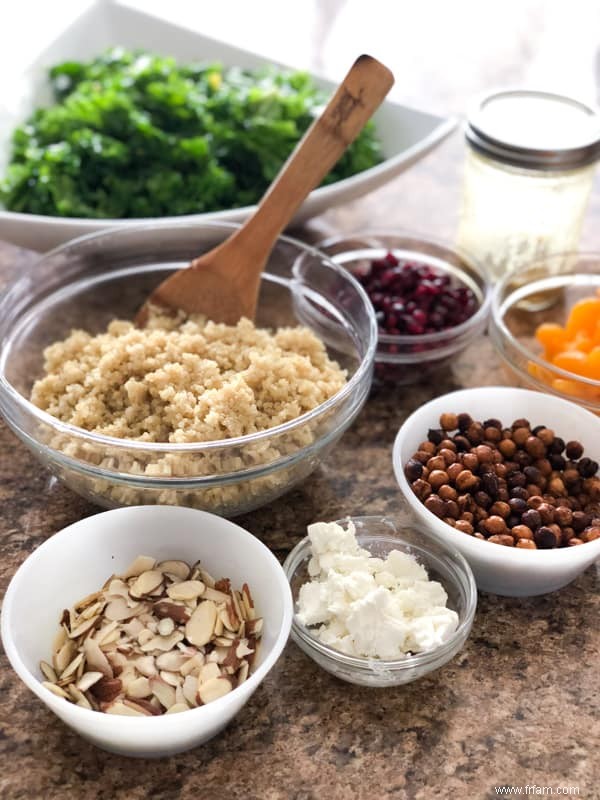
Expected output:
{"points": [[375, 665], [498, 324], [424, 338], [349, 387]]}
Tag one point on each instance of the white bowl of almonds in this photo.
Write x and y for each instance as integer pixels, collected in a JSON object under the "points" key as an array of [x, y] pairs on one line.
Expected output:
{"points": [[146, 629]]}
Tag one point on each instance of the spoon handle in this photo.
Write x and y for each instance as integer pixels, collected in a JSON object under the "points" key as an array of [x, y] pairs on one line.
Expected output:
{"points": [[355, 101]]}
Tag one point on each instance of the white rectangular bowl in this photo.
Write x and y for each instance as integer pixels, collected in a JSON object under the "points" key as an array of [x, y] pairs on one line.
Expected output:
{"points": [[406, 134]]}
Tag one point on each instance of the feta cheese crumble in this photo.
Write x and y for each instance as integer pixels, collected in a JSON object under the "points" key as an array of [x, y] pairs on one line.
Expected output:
{"points": [[367, 606]]}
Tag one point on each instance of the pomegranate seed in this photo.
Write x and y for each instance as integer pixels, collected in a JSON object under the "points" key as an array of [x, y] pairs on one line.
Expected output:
{"points": [[414, 298]]}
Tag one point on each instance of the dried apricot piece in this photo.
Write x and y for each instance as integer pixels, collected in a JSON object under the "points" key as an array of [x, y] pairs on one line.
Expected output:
{"points": [[572, 361], [584, 316], [551, 336]]}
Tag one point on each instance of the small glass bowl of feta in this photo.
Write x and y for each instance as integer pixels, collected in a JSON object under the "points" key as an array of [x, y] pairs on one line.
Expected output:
{"points": [[379, 602]]}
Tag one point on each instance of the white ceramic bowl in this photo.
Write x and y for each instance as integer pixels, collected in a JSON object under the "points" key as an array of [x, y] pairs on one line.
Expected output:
{"points": [[77, 561], [504, 570]]}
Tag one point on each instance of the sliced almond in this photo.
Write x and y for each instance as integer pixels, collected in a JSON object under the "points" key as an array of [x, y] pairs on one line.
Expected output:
{"points": [[140, 687], [146, 583], [179, 569], [214, 689], [218, 655], [106, 631], [95, 658], [163, 643], [106, 689], [225, 619], [172, 661], [177, 708], [171, 678], [173, 611], [145, 635], [124, 710], [223, 585], [117, 588], [186, 590], [165, 627], [145, 665], [179, 695], [250, 658], [131, 628], [146, 706], [215, 595], [127, 677], [87, 680], [64, 656], [232, 659], [199, 628], [119, 610], [139, 565], [204, 576], [237, 605], [164, 693], [82, 627], [208, 672], [242, 673], [92, 610], [194, 664], [71, 668], [190, 689], [254, 626], [52, 687], [219, 627], [243, 650], [222, 641], [118, 661], [78, 697], [48, 672], [248, 602]]}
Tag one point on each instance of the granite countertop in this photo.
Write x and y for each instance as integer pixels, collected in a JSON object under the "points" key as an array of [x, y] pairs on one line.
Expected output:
{"points": [[519, 706]]}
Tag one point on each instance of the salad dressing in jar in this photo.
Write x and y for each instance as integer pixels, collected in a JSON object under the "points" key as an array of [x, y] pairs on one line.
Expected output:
{"points": [[528, 176]]}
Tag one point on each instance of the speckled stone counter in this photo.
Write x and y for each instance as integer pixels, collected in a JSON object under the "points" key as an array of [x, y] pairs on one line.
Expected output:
{"points": [[518, 706]]}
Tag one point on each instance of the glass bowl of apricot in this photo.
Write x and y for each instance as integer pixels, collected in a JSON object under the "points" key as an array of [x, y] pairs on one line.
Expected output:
{"points": [[546, 326]]}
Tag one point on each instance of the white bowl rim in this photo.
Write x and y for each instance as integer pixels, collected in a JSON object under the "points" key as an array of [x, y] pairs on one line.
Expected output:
{"points": [[33, 683], [515, 554], [377, 665], [364, 366]]}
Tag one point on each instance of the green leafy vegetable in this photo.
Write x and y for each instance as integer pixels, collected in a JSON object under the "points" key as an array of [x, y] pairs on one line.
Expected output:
{"points": [[137, 135]]}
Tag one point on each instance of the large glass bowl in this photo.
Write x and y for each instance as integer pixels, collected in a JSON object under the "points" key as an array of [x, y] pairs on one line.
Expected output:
{"points": [[88, 282], [545, 292]]}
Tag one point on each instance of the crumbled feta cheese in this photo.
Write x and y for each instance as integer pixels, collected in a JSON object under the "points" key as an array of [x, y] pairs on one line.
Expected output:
{"points": [[367, 606]]}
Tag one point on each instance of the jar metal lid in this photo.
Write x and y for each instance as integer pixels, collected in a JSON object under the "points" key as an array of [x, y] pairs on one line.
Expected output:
{"points": [[534, 129]]}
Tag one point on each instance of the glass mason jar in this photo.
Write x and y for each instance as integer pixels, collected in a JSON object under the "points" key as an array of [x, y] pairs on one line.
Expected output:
{"points": [[528, 175]]}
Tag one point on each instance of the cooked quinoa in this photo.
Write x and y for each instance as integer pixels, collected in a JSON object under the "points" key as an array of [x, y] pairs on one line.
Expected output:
{"points": [[185, 380]]}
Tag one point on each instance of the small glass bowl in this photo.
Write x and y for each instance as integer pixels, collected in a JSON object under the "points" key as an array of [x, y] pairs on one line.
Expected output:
{"points": [[544, 292], [405, 359], [380, 535]]}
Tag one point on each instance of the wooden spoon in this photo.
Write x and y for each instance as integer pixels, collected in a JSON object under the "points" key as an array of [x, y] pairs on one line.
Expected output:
{"points": [[223, 284]]}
